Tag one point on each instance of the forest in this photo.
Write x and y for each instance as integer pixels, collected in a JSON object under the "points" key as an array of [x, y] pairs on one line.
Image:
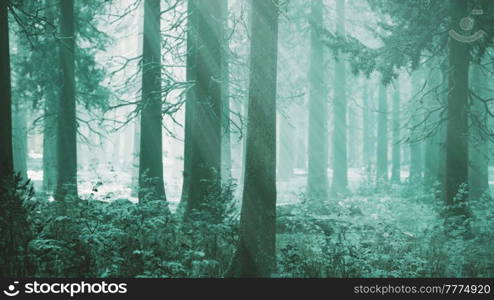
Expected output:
{"points": [[246, 138]]}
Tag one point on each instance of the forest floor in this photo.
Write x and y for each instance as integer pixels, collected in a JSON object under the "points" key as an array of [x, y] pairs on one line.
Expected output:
{"points": [[116, 183], [396, 232]]}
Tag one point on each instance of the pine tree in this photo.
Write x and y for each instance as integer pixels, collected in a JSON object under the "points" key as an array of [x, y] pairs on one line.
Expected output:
{"points": [[255, 255]]}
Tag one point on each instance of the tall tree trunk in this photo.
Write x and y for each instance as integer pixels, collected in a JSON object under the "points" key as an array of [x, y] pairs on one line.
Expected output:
{"points": [[366, 131], [478, 152], [66, 125], [433, 142], [151, 183], [416, 149], [244, 113], [351, 132], [135, 156], [301, 147], [50, 120], [255, 255], [317, 180], [441, 138], [396, 149], [286, 148], [6, 148], [226, 157], [190, 74], [19, 135], [340, 160], [382, 137], [205, 154], [50, 143], [457, 126]]}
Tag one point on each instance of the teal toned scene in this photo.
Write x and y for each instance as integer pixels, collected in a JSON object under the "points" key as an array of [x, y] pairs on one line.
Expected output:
{"points": [[246, 138]]}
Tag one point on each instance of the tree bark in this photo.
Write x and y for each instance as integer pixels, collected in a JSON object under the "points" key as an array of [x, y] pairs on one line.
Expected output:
{"points": [[255, 255], [205, 154], [135, 156], [382, 137], [433, 142], [190, 74], [366, 132], [340, 159], [50, 143], [286, 148], [151, 183], [396, 147], [6, 154], [416, 145], [19, 133], [317, 179], [226, 157], [478, 152], [457, 124], [66, 125]]}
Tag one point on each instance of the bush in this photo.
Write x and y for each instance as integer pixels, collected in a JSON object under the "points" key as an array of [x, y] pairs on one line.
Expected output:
{"points": [[392, 236], [16, 209], [90, 238]]}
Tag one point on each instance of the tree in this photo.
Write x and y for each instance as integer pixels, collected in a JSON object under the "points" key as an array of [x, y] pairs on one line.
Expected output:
{"points": [[205, 154], [434, 128], [456, 189], [340, 159], [20, 105], [50, 110], [66, 125], [190, 72], [286, 149], [366, 131], [478, 180], [382, 136], [317, 178], [6, 148], [395, 152], [151, 184], [226, 157], [255, 254], [415, 138]]}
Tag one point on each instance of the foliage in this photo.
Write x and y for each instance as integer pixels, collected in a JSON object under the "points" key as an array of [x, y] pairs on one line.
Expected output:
{"points": [[389, 236], [90, 238], [16, 214]]}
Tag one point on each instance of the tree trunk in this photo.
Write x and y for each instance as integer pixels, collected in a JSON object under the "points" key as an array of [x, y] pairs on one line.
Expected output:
{"points": [[317, 180], [479, 152], [151, 183], [457, 126], [396, 149], [433, 142], [190, 74], [6, 148], [382, 137], [135, 156], [366, 132], [286, 148], [255, 255], [352, 132], [226, 157], [205, 154], [66, 125], [19, 136], [416, 157], [340, 163], [50, 121], [50, 143]]}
